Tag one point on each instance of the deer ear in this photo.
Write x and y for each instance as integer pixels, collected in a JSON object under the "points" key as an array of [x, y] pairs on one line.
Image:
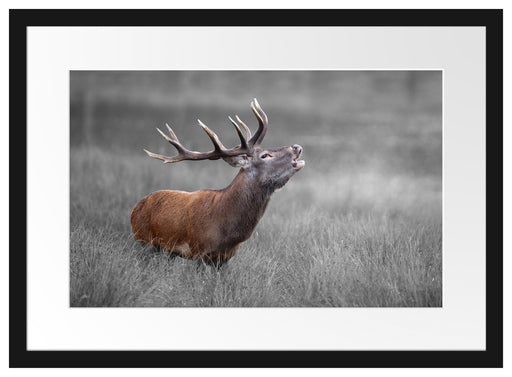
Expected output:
{"points": [[237, 161]]}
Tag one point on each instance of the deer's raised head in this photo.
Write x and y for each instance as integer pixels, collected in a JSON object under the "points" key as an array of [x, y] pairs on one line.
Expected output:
{"points": [[270, 168]]}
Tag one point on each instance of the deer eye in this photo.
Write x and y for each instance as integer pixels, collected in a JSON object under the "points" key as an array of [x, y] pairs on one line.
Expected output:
{"points": [[265, 155]]}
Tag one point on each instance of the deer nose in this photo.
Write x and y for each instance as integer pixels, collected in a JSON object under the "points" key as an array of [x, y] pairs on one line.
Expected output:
{"points": [[297, 148]]}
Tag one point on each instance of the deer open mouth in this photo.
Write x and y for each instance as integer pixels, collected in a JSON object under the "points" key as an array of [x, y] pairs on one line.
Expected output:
{"points": [[300, 163]]}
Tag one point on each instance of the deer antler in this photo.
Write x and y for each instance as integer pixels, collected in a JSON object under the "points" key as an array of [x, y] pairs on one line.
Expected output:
{"points": [[263, 123], [256, 140], [245, 147]]}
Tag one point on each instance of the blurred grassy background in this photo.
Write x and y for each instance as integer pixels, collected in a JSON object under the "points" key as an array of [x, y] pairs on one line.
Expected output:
{"points": [[360, 225]]}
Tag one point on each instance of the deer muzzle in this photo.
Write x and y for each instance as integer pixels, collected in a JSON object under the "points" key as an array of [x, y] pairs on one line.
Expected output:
{"points": [[297, 164]]}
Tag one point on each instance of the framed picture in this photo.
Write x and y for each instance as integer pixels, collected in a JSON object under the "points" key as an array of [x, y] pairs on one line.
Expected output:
{"points": [[357, 222]]}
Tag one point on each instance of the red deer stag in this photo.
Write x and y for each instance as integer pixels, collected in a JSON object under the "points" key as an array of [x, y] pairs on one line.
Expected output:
{"points": [[209, 225]]}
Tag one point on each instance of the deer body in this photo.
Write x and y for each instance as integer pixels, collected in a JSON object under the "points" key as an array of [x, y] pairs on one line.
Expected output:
{"points": [[209, 225]]}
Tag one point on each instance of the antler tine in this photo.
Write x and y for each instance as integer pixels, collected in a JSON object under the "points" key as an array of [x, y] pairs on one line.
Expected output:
{"points": [[175, 142], [173, 139], [171, 132], [247, 130], [262, 113], [165, 136], [213, 137], [243, 141], [165, 159], [263, 123]]}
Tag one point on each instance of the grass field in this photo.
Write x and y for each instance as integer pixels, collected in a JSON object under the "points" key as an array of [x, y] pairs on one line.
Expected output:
{"points": [[359, 226]]}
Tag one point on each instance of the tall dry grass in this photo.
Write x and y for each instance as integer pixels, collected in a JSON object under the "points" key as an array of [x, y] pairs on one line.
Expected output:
{"points": [[324, 241]]}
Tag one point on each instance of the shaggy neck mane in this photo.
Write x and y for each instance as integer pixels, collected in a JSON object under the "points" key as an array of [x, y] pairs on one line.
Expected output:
{"points": [[247, 199]]}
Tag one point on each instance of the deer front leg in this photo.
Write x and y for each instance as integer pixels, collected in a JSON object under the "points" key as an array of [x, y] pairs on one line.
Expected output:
{"points": [[218, 258]]}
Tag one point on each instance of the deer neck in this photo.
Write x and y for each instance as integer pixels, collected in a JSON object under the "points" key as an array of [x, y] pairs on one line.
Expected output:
{"points": [[247, 199]]}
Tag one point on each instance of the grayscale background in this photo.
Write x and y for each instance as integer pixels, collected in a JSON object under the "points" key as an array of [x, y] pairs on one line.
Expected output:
{"points": [[360, 225]]}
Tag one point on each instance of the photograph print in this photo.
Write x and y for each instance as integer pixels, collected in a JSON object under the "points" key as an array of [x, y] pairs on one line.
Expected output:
{"points": [[256, 188]]}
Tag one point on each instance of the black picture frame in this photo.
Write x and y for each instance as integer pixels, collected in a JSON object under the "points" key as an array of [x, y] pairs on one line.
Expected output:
{"points": [[491, 20]]}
